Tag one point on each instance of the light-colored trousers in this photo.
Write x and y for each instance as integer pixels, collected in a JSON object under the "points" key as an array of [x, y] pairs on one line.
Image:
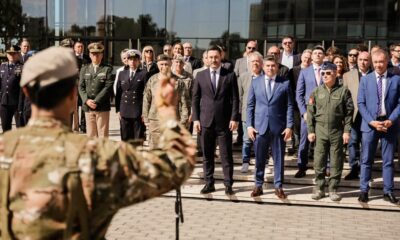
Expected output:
{"points": [[97, 123]]}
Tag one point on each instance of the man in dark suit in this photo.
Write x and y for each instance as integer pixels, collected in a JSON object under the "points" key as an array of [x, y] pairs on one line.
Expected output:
{"points": [[129, 98], [309, 79], [82, 60], [216, 117], [187, 55], [10, 91], [269, 122], [283, 71], [379, 106], [289, 57], [293, 76]]}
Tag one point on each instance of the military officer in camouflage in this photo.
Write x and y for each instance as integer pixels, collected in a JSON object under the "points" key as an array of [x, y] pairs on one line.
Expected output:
{"points": [[55, 184], [95, 87], [10, 92], [329, 111], [149, 111]]}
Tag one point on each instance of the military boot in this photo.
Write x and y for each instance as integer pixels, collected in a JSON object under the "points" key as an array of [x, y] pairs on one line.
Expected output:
{"points": [[334, 196], [318, 194]]}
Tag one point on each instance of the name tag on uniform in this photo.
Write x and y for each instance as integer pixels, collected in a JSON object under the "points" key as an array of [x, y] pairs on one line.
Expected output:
{"points": [[87, 74], [101, 74], [336, 97], [321, 96]]}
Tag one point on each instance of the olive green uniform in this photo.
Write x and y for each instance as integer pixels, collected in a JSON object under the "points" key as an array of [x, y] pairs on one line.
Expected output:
{"points": [[329, 115]]}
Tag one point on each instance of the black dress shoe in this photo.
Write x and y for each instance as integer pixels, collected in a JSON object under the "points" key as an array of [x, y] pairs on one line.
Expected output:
{"points": [[257, 191], [353, 175], [300, 174], [390, 197], [363, 197], [228, 190], [208, 188]]}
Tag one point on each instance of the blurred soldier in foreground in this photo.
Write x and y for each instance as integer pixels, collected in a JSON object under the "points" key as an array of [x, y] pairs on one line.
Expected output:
{"points": [[59, 185], [330, 111]]}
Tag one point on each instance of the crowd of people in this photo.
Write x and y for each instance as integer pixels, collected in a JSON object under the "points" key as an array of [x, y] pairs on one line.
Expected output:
{"points": [[325, 101]]}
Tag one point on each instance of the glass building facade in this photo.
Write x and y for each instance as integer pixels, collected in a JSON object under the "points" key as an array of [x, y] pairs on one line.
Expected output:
{"points": [[136, 23]]}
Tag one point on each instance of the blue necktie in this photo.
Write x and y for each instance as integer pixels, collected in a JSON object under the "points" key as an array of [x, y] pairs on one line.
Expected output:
{"points": [[380, 95]]}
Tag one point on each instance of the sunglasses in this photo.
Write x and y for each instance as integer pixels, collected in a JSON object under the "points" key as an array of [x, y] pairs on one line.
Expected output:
{"points": [[149, 50], [326, 73], [251, 48], [353, 55]]}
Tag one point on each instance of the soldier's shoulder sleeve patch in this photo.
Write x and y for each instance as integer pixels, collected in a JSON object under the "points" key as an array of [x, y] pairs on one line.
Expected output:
{"points": [[311, 101]]}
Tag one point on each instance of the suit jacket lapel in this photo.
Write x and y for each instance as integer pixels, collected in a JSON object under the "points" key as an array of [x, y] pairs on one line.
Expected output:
{"points": [[388, 82], [263, 86], [275, 88], [221, 80]]}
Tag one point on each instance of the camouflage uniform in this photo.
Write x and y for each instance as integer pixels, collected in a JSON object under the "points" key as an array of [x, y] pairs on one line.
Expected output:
{"points": [[68, 186], [149, 110], [187, 80]]}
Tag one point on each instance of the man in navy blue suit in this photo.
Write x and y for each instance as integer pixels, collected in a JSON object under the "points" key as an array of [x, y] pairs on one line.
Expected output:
{"points": [[379, 106], [309, 79], [269, 122]]}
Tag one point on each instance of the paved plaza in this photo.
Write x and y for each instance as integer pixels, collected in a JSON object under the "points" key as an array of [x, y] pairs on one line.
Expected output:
{"points": [[218, 216]]}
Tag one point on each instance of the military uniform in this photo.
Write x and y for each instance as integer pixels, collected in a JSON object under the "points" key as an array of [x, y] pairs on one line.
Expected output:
{"points": [[58, 185], [149, 111], [95, 83], [10, 93], [329, 115], [129, 103], [187, 81]]}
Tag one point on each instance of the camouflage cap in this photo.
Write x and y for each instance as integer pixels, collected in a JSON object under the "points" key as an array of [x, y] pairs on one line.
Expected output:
{"points": [[13, 49], [68, 42], [328, 66], [49, 66], [133, 53], [96, 47]]}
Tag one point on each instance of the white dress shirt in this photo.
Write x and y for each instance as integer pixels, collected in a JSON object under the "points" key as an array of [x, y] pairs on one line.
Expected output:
{"points": [[217, 74], [287, 59], [266, 79]]}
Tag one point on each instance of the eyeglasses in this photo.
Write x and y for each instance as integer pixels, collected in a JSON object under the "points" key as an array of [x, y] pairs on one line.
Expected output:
{"points": [[251, 48], [149, 50], [287, 43], [353, 55], [326, 73], [398, 51]]}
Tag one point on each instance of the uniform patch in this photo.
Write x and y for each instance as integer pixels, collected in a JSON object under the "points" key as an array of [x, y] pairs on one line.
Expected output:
{"points": [[311, 101], [336, 97], [101, 74], [321, 96]]}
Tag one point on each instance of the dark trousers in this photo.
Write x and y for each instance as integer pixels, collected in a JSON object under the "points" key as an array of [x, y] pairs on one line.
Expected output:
{"points": [[209, 136], [132, 129], [239, 138], [302, 158], [6, 115], [354, 144]]}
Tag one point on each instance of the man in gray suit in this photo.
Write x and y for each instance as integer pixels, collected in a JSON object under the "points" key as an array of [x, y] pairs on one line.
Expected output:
{"points": [[256, 63], [351, 80], [241, 65]]}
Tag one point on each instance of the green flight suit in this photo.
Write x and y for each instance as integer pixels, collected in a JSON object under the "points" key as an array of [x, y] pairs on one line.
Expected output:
{"points": [[329, 115]]}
